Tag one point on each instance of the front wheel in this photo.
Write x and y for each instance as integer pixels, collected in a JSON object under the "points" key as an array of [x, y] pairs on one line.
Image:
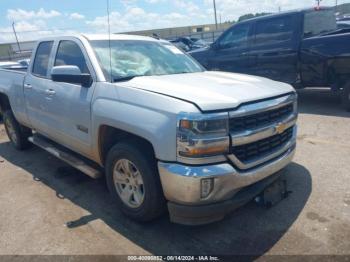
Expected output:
{"points": [[133, 181], [346, 96], [17, 133]]}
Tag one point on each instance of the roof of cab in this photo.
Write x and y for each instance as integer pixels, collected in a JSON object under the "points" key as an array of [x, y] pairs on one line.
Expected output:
{"points": [[117, 37], [92, 37], [288, 12]]}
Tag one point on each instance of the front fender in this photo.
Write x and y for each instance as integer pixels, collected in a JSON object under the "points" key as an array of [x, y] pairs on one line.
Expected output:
{"points": [[145, 114]]}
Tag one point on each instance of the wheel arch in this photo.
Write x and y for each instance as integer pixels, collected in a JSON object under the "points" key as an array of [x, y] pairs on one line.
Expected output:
{"points": [[4, 102], [108, 136]]}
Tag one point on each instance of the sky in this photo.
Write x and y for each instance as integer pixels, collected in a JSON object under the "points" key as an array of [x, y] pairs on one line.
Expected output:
{"points": [[38, 18]]}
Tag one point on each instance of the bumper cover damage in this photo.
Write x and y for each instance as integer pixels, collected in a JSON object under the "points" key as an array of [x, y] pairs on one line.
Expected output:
{"points": [[232, 188]]}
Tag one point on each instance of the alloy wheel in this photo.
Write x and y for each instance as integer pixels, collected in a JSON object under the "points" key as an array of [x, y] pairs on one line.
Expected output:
{"points": [[128, 183]]}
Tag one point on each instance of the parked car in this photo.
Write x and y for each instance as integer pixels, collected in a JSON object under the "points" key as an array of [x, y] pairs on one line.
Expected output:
{"points": [[199, 41], [303, 48], [180, 45], [9, 64], [189, 43], [24, 62], [343, 24], [12, 65], [164, 132]]}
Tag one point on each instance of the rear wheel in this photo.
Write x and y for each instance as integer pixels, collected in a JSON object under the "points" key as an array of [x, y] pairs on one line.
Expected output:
{"points": [[17, 133], [133, 181]]}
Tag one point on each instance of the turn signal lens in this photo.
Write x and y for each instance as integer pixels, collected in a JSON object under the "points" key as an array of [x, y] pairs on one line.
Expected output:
{"points": [[208, 151]]}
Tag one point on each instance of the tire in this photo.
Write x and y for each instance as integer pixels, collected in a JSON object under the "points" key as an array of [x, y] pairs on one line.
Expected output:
{"points": [[141, 208], [17, 133], [346, 96]]}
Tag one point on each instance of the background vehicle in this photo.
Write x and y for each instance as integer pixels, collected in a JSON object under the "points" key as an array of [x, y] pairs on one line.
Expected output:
{"points": [[181, 45], [9, 65], [343, 24], [303, 48], [24, 62], [188, 44], [163, 130]]}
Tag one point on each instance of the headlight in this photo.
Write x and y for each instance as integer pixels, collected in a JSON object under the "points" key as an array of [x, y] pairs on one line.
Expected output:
{"points": [[202, 136]]}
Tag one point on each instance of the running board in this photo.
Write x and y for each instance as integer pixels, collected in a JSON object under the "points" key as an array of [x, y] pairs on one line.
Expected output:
{"points": [[65, 155]]}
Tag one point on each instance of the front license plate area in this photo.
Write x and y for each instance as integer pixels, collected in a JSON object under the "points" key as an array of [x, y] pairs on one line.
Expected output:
{"points": [[273, 193]]}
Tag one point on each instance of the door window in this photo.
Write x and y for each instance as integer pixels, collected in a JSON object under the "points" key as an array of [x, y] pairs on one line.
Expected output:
{"points": [[69, 53], [274, 30], [235, 37], [41, 60], [318, 22]]}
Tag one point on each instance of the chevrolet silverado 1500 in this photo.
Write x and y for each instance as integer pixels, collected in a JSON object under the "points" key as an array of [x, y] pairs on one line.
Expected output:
{"points": [[165, 132], [303, 48]]}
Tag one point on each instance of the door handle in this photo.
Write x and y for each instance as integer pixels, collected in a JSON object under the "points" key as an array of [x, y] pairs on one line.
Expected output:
{"points": [[27, 86], [50, 92]]}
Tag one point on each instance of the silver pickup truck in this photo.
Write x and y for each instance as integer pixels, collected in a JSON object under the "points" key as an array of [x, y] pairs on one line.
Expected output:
{"points": [[166, 134]]}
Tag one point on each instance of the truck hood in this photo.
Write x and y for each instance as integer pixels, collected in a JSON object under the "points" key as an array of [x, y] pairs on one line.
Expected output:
{"points": [[211, 90]]}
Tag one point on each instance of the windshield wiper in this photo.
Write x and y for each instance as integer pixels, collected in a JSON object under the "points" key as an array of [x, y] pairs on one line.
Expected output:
{"points": [[125, 78]]}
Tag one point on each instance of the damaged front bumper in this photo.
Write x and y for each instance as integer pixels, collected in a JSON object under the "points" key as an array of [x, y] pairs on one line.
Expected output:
{"points": [[231, 187]]}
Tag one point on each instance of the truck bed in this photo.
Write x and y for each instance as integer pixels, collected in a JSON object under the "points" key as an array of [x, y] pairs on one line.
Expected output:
{"points": [[11, 84]]}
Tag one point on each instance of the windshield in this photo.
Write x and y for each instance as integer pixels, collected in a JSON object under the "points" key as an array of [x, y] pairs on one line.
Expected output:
{"points": [[319, 22], [141, 58]]}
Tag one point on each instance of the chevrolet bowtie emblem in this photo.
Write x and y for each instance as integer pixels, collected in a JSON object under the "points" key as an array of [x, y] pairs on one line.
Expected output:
{"points": [[280, 128]]}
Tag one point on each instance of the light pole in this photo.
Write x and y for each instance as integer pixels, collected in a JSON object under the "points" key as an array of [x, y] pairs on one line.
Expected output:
{"points": [[216, 19], [14, 31]]}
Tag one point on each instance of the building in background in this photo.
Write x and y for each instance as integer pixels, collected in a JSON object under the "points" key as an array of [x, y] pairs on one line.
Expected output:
{"points": [[10, 51]]}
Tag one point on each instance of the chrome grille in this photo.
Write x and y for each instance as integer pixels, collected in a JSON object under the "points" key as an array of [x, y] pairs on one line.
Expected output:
{"points": [[254, 121], [256, 150], [262, 131]]}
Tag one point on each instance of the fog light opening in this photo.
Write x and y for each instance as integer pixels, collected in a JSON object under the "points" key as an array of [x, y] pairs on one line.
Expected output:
{"points": [[207, 185]]}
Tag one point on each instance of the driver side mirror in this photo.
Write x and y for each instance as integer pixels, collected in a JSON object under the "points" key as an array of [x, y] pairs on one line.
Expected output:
{"points": [[70, 74]]}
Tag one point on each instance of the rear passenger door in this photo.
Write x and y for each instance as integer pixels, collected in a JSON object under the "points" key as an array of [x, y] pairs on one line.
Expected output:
{"points": [[275, 48], [231, 51], [35, 87]]}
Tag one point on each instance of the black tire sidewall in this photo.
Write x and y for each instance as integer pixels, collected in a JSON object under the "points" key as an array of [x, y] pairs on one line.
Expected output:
{"points": [[153, 204], [8, 116], [22, 135]]}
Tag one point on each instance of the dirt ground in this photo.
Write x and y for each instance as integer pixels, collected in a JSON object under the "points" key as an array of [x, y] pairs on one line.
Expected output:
{"points": [[49, 208]]}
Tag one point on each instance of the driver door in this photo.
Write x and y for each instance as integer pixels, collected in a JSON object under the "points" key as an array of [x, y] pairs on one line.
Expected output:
{"points": [[69, 106], [231, 53]]}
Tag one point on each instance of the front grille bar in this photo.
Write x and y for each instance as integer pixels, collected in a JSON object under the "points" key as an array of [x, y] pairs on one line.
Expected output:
{"points": [[250, 136], [247, 165], [255, 108]]}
